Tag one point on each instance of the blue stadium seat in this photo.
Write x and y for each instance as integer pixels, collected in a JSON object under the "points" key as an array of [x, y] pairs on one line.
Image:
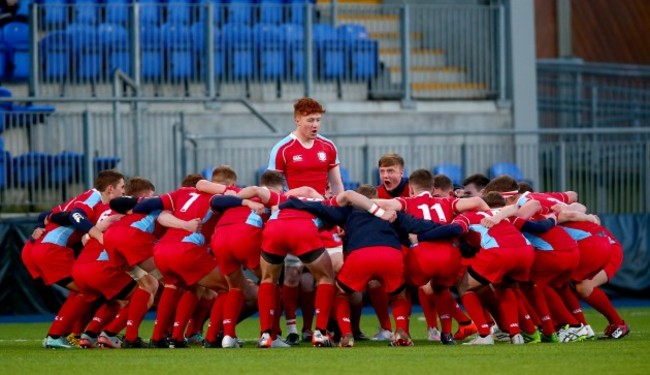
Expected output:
{"points": [[101, 163], [294, 37], [86, 11], [117, 11], [15, 115], [178, 12], [16, 35], [56, 13], [55, 52], [240, 11], [348, 183], [198, 37], [5, 167], [258, 174], [269, 44], [271, 11], [5, 57], [151, 55], [219, 11], [177, 42], [86, 49], [237, 40], [65, 168], [331, 54], [362, 53], [150, 12], [23, 7], [115, 46], [207, 173], [508, 169], [453, 171], [297, 8], [28, 169]]}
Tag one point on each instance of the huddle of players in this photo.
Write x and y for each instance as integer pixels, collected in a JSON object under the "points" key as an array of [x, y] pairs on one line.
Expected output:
{"points": [[523, 259]]}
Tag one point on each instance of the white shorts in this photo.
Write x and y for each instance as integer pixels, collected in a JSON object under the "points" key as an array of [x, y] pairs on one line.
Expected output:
{"points": [[292, 261], [335, 250]]}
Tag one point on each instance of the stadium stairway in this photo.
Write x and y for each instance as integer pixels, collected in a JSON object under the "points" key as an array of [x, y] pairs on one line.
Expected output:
{"points": [[431, 77]]}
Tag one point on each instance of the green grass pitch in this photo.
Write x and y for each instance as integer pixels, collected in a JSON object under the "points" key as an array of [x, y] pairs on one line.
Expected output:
{"points": [[21, 353]]}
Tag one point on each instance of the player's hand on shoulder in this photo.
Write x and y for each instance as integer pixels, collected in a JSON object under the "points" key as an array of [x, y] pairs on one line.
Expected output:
{"points": [[193, 225], [489, 222], [37, 233], [389, 215]]}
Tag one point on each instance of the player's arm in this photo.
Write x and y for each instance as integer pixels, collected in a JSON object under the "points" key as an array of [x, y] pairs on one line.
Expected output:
{"points": [[566, 215], [389, 204], [331, 214], [79, 221], [221, 203], [503, 213], [352, 198], [123, 204], [167, 219], [335, 179], [305, 191], [210, 187], [149, 205], [539, 226], [249, 192], [528, 209], [470, 204]]}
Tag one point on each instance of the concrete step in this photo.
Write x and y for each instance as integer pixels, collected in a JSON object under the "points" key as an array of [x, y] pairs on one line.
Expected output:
{"points": [[419, 57], [391, 40], [426, 74], [374, 23], [449, 90]]}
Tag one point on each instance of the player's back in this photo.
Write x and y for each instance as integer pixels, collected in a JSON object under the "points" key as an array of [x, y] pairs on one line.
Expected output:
{"points": [[504, 234], [427, 207], [188, 203], [547, 200]]}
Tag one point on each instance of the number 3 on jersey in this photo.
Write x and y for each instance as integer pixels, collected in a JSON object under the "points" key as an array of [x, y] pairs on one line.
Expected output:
{"points": [[426, 212]]}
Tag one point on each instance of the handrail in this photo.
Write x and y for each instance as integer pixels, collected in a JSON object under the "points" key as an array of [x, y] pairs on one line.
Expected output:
{"points": [[579, 66], [507, 132]]}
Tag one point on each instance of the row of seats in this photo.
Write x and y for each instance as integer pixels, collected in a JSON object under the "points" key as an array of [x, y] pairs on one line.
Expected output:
{"points": [[176, 51], [17, 115], [37, 169], [152, 12], [14, 51]]}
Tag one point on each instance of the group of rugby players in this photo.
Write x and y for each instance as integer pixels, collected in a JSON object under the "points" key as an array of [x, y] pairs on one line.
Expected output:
{"points": [[519, 261]]}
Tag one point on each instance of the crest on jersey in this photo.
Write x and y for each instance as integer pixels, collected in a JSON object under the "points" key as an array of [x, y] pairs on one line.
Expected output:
{"points": [[322, 156]]}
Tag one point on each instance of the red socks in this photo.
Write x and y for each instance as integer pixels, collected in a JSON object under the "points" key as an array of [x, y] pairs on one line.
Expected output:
{"points": [[324, 301], [233, 305], [599, 301], [138, 307], [379, 300]]}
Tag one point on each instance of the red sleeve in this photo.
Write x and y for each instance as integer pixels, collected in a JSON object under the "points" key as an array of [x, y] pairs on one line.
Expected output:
{"points": [[168, 200], [517, 222], [88, 210], [331, 202], [463, 221], [454, 202], [274, 200], [403, 202]]}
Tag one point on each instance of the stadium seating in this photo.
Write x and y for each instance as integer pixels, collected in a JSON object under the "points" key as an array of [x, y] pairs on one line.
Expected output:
{"points": [[269, 46], [115, 46], [86, 12], [5, 57], [198, 37], [348, 183], [151, 56], [149, 12], [117, 11], [453, 171], [55, 52], [294, 37], [56, 13], [237, 41], [271, 11], [85, 48], [177, 42], [331, 55], [15, 115], [16, 36], [361, 53], [240, 12], [28, 168], [5, 164], [297, 12], [23, 7], [219, 13], [508, 169]]}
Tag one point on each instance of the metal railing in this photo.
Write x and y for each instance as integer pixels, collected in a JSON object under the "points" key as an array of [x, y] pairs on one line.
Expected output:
{"points": [[267, 51], [575, 94], [611, 176]]}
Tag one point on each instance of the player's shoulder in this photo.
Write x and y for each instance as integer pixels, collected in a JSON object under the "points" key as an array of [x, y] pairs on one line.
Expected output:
{"points": [[325, 141]]}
